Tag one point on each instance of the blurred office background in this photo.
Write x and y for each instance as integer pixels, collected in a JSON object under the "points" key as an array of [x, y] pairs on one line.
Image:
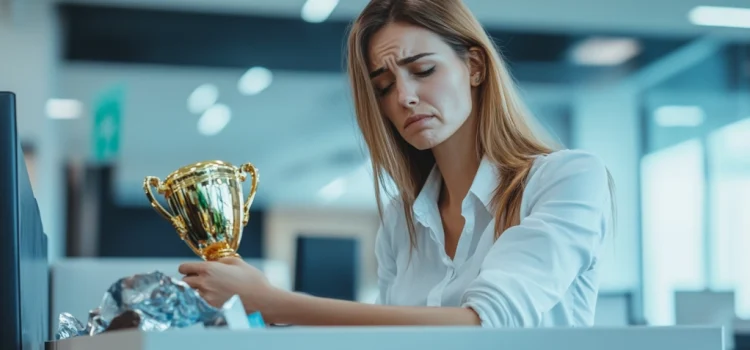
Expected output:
{"points": [[111, 91]]}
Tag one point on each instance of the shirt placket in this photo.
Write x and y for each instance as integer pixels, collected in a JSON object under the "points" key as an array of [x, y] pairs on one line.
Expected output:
{"points": [[464, 242], [435, 297], [435, 227]]}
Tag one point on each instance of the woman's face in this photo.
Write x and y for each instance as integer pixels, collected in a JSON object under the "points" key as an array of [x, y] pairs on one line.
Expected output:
{"points": [[423, 86]]}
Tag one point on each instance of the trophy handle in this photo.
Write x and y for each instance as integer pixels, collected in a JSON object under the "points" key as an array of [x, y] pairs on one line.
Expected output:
{"points": [[152, 181], [244, 169]]}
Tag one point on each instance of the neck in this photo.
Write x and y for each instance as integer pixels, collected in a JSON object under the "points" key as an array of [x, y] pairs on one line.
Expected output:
{"points": [[457, 160]]}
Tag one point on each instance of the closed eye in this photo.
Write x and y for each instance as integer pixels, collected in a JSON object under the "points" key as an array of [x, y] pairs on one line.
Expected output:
{"points": [[384, 91], [421, 74], [425, 72]]}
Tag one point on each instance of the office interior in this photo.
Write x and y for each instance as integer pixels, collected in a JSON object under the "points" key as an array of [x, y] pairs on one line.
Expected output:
{"points": [[112, 91]]}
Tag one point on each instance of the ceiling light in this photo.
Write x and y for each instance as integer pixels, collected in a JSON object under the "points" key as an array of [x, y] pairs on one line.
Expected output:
{"points": [[333, 190], [605, 51], [316, 11], [214, 119], [64, 108], [203, 97], [679, 116], [734, 17], [255, 80]]}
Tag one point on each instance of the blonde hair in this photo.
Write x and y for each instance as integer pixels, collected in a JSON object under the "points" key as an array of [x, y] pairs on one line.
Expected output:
{"points": [[504, 133]]}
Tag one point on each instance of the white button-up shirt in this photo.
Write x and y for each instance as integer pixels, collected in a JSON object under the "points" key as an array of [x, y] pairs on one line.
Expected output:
{"points": [[540, 273]]}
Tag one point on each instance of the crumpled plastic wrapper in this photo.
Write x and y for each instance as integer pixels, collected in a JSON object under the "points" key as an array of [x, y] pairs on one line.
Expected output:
{"points": [[152, 302]]}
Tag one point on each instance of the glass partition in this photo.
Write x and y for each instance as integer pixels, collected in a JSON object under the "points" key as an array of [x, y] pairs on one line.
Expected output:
{"points": [[695, 183]]}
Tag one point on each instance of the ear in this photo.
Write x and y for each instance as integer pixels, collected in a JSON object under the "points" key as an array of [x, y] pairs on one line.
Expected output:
{"points": [[477, 65]]}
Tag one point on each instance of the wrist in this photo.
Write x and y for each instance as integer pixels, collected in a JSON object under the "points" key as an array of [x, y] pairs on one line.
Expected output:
{"points": [[274, 304]]}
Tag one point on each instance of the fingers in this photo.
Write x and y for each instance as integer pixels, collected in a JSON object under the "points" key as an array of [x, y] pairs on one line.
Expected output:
{"points": [[195, 282], [231, 260], [193, 268], [198, 284], [213, 301]]}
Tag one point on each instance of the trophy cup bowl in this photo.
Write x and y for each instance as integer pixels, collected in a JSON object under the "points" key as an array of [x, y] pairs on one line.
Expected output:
{"points": [[208, 208]]}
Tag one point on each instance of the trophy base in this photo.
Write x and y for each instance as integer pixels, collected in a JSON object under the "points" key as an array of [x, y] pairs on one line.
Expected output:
{"points": [[218, 251]]}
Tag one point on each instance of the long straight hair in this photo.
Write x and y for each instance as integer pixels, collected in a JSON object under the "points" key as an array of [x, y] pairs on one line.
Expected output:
{"points": [[504, 132]]}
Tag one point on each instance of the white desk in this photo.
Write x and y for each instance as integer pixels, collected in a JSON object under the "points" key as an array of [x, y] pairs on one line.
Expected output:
{"points": [[78, 284], [407, 338]]}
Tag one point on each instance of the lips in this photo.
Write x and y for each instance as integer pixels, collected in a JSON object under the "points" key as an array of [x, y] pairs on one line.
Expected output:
{"points": [[415, 118]]}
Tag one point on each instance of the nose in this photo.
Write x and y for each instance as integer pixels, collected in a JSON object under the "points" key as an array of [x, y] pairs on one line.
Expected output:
{"points": [[407, 94]]}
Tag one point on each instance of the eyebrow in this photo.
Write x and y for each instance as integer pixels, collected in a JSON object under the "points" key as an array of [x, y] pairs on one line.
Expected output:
{"points": [[400, 62]]}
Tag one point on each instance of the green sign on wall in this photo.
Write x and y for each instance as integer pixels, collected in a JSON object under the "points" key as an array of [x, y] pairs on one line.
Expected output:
{"points": [[107, 122]]}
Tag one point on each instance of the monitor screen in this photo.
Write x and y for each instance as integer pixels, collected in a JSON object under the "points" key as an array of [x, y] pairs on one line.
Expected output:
{"points": [[24, 293], [327, 266]]}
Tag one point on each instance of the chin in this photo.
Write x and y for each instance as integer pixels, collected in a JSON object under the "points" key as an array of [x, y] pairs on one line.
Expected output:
{"points": [[424, 140]]}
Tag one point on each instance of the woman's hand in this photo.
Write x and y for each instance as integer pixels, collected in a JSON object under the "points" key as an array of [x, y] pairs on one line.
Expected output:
{"points": [[217, 281]]}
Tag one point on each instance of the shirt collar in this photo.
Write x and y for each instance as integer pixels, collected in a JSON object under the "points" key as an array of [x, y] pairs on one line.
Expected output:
{"points": [[484, 184], [428, 197]]}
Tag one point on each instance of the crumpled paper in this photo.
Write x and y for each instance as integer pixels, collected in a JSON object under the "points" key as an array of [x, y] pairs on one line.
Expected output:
{"points": [[153, 302]]}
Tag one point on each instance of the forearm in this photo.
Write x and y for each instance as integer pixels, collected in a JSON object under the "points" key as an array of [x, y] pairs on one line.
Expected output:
{"points": [[299, 309]]}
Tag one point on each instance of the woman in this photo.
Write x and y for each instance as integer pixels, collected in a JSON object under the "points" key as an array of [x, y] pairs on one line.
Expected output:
{"points": [[490, 227]]}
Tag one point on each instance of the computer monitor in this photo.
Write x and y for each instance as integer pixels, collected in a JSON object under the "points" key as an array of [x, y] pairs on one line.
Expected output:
{"points": [[24, 290], [327, 266]]}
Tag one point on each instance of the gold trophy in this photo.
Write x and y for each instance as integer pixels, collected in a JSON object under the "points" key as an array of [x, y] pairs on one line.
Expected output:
{"points": [[209, 208]]}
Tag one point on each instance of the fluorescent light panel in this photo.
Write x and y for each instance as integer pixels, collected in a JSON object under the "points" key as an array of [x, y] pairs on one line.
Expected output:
{"points": [[255, 80], [57, 108], [605, 51], [316, 11], [214, 119], [679, 116], [202, 98], [333, 190], [715, 16]]}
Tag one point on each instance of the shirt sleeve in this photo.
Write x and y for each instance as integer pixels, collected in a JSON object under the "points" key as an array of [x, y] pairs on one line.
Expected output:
{"points": [[531, 266], [385, 259]]}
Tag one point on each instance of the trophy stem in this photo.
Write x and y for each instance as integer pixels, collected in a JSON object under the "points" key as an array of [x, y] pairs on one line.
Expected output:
{"points": [[219, 253]]}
